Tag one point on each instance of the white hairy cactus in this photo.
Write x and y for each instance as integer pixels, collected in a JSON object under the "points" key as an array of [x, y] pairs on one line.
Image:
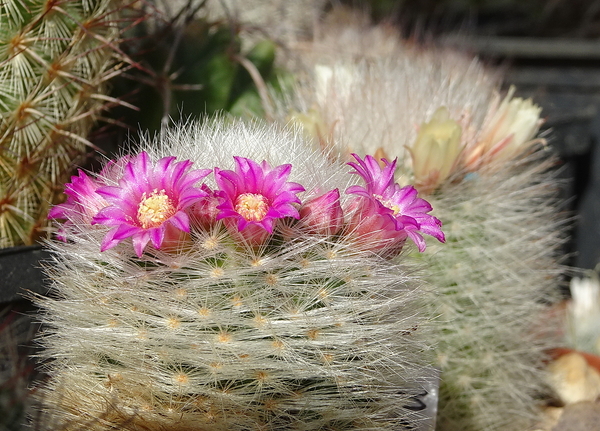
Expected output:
{"points": [[310, 327], [362, 88], [491, 183], [494, 283]]}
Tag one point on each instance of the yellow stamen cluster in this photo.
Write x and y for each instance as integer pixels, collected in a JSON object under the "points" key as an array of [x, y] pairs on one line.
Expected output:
{"points": [[252, 206], [155, 209]]}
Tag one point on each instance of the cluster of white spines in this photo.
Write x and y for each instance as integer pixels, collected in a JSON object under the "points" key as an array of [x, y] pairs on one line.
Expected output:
{"points": [[305, 334]]}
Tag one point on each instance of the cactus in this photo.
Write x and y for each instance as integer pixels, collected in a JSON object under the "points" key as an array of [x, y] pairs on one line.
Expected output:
{"points": [[492, 183], [495, 284], [262, 299], [55, 58]]}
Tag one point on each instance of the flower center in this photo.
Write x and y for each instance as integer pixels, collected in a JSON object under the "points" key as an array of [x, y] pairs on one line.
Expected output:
{"points": [[388, 204], [252, 206], [154, 209]]}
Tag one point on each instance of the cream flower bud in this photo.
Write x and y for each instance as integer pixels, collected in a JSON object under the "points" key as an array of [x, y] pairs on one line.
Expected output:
{"points": [[436, 150], [583, 313], [336, 81], [507, 131]]}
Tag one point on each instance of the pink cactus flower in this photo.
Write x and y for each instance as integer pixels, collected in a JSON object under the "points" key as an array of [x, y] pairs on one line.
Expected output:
{"points": [[254, 196], [82, 204], [323, 215], [403, 213], [149, 200], [370, 230]]}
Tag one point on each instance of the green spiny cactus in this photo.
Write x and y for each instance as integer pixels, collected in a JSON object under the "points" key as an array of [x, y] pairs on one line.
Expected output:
{"points": [[55, 58], [228, 327]]}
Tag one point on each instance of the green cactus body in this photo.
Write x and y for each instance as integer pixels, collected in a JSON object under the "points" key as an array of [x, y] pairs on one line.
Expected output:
{"points": [[54, 60], [304, 332]]}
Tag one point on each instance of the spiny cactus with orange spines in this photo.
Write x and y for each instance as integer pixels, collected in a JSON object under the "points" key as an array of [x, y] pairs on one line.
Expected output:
{"points": [[493, 183], [55, 59], [267, 293]]}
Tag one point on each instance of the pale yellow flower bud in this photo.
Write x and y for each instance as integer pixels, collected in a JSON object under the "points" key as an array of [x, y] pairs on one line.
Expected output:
{"points": [[436, 150], [507, 131], [313, 126]]}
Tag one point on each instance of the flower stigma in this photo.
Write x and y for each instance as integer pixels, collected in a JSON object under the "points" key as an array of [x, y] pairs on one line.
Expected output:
{"points": [[387, 203], [155, 209], [252, 206]]}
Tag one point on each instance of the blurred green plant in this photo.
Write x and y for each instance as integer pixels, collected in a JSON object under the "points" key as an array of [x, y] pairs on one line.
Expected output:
{"points": [[190, 66]]}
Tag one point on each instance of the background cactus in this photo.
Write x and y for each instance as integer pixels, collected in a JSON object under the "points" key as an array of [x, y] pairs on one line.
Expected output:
{"points": [[194, 60], [55, 59], [494, 285], [308, 330], [497, 197]]}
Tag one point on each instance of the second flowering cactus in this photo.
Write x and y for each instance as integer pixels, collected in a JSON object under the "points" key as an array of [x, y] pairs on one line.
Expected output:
{"points": [[493, 183], [242, 298]]}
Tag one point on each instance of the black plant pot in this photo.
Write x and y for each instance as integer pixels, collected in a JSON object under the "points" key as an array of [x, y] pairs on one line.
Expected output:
{"points": [[21, 272]]}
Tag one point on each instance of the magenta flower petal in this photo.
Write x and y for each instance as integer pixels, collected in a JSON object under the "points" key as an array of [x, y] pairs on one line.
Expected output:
{"points": [[383, 198], [109, 215], [140, 240], [116, 235], [110, 192], [181, 221], [378, 180], [256, 194], [150, 197], [156, 236], [323, 215], [82, 198], [417, 238], [83, 203]]}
